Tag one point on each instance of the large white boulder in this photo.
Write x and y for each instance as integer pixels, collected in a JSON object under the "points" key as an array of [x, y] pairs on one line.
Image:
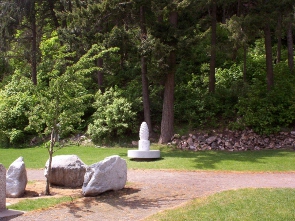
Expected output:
{"points": [[109, 174], [66, 170], [16, 179]]}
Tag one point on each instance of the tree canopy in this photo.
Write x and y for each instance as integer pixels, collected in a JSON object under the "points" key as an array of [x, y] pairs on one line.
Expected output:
{"points": [[102, 67]]}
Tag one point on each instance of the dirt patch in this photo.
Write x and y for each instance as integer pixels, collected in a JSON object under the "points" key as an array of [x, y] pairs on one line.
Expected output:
{"points": [[36, 189]]}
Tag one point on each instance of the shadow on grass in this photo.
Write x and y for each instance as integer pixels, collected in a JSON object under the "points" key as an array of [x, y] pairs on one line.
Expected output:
{"points": [[210, 159], [146, 159]]}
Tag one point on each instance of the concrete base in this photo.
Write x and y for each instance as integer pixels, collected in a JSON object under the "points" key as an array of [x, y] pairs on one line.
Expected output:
{"points": [[9, 214], [141, 154]]}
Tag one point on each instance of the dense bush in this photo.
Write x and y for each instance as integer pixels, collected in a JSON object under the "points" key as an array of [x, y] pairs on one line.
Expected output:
{"points": [[15, 101], [113, 116], [268, 111], [199, 108]]}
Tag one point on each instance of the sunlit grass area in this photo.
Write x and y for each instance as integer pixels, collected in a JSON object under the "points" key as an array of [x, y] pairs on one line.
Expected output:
{"points": [[236, 205], [263, 160]]}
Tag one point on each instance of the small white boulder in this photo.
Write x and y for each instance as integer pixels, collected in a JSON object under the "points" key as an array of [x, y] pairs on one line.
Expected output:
{"points": [[109, 174], [16, 179], [66, 170]]}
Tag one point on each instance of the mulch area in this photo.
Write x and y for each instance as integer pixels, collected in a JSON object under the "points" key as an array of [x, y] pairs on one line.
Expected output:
{"points": [[147, 192]]}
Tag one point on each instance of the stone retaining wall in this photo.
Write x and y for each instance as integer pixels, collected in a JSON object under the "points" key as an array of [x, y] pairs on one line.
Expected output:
{"points": [[233, 141]]}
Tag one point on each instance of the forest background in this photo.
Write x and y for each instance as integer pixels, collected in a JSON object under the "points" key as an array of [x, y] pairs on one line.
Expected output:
{"points": [[103, 67]]}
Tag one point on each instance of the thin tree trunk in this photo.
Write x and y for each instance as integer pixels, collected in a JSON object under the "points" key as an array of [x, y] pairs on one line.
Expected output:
{"points": [[53, 15], [279, 36], [144, 79], [245, 63], [100, 75], [213, 50], [34, 45], [268, 53], [239, 8], [236, 47], [290, 47], [50, 152], [167, 123]]}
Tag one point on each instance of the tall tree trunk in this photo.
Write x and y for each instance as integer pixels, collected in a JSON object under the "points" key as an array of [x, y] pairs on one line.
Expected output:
{"points": [[144, 79], [279, 36], [53, 15], [239, 8], [268, 53], [245, 63], [290, 47], [236, 47], [34, 44], [213, 50], [100, 77], [167, 123]]}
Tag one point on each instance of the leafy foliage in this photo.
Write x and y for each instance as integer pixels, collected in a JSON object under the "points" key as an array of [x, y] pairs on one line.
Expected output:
{"points": [[113, 116], [268, 111], [16, 99]]}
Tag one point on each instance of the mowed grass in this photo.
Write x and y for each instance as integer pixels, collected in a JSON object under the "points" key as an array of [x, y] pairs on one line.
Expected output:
{"points": [[42, 203], [243, 204], [236, 205], [255, 161]]}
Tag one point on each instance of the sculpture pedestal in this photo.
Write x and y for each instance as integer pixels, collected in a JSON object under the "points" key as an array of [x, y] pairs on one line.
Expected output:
{"points": [[144, 151], [142, 154]]}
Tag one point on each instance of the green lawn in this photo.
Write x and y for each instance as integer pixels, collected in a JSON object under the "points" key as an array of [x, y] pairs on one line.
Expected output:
{"points": [[264, 160], [236, 205], [243, 204]]}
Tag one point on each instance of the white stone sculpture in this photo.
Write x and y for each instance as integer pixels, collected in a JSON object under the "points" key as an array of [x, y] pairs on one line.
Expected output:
{"points": [[66, 170], [144, 143], [2, 188], [109, 174], [144, 151], [16, 179]]}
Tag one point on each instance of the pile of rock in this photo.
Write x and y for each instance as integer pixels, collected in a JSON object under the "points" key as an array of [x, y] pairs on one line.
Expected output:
{"points": [[233, 141]]}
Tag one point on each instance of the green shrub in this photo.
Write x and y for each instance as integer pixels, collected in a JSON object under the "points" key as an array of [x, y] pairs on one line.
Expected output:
{"points": [[265, 111], [15, 101], [113, 116], [199, 108]]}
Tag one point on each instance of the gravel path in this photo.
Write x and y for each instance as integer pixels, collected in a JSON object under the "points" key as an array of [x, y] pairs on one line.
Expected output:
{"points": [[150, 191]]}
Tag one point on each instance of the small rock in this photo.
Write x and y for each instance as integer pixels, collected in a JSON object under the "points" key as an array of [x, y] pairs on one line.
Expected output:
{"points": [[211, 139]]}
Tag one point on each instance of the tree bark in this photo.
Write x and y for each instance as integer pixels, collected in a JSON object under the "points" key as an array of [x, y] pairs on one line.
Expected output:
{"points": [[279, 36], [239, 8], [100, 75], [53, 15], [268, 53], [50, 152], [167, 123], [34, 44], [213, 50], [290, 47], [245, 63]]}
